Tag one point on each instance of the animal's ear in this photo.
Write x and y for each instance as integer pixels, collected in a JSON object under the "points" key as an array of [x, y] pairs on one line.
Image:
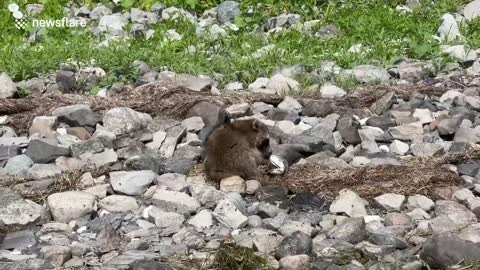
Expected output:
{"points": [[256, 124]]}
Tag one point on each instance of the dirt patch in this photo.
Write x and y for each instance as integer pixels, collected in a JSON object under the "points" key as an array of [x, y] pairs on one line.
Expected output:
{"points": [[415, 176], [166, 98], [162, 98]]}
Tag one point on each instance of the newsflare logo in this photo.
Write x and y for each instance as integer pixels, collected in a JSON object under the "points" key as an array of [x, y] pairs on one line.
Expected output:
{"points": [[20, 21]]}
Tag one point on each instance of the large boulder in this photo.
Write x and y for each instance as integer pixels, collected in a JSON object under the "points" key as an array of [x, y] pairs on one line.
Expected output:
{"points": [[446, 250]]}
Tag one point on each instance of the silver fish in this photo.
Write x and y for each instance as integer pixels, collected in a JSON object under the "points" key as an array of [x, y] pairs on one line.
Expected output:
{"points": [[280, 164]]}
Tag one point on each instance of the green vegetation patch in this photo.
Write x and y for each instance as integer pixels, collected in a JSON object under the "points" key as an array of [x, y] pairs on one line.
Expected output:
{"points": [[386, 34]]}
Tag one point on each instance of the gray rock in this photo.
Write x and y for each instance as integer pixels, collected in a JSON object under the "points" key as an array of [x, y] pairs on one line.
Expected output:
{"points": [[9, 151], [383, 122], [40, 171], [470, 11], [78, 115], [276, 222], [203, 220], [234, 86], [130, 258], [165, 220], [390, 201], [173, 181], [239, 110], [412, 71], [370, 74], [263, 240], [282, 85], [322, 132], [8, 88], [18, 165], [190, 238], [254, 221], [398, 219], [348, 128], [296, 244], [351, 230], [143, 17], [383, 104], [207, 196], [442, 224], [467, 135], [332, 91], [106, 137], [92, 146], [70, 205], [283, 20], [69, 164], [327, 32], [131, 182], [458, 213], [448, 126], [420, 201], [106, 157], [471, 234], [34, 9], [350, 203], [258, 85], [43, 127], [252, 186], [227, 11], [426, 149], [55, 256], [100, 11], [173, 13], [446, 250], [174, 136], [113, 24], [125, 120], [229, 215], [387, 240], [118, 203], [370, 134], [290, 226], [66, 80], [449, 30], [45, 151], [399, 147], [290, 104], [406, 132], [266, 210], [297, 262], [173, 201], [14, 211], [233, 184], [19, 240], [193, 124], [194, 83]]}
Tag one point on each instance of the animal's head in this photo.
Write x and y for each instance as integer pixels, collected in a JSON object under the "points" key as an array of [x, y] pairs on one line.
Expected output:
{"points": [[262, 139]]}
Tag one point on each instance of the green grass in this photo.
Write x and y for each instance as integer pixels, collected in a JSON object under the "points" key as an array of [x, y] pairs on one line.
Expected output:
{"points": [[376, 24]]}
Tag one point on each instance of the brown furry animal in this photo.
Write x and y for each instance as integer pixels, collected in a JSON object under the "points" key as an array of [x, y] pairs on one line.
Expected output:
{"points": [[237, 148]]}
